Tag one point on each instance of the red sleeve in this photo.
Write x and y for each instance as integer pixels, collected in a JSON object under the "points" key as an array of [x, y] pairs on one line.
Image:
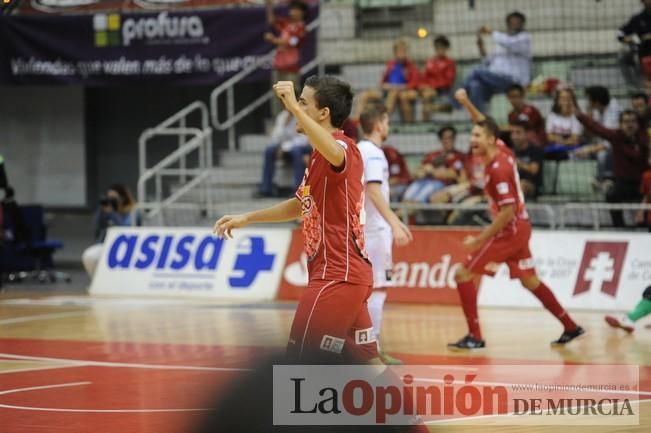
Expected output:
{"points": [[413, 76], [450, 75], [430, 157], [280, 23], [502, 186], [387, 70]]}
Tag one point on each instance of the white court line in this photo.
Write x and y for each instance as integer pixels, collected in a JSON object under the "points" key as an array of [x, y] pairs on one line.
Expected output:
{"points": [[22, 370], [62, 385], [511, 385], [86, 363], [41, 317]]}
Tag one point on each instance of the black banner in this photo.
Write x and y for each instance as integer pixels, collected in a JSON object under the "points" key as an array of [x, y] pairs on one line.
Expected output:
{"points": [[198, 47]]}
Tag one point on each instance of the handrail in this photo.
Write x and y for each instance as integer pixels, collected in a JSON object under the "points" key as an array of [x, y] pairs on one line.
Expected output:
{"points": [[596, 207], [151, 132], [179, 193], [227, 86], [184, 112]]}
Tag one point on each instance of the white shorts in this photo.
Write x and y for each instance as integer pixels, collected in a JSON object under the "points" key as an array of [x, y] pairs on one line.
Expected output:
{"points": [[378, 247]]}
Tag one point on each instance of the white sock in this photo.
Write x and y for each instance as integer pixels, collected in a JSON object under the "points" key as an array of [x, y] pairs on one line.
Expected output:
{"points": [[375, 306]]}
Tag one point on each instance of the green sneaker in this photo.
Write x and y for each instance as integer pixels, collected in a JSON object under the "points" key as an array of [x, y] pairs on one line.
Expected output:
{"points": [[388, 359]]}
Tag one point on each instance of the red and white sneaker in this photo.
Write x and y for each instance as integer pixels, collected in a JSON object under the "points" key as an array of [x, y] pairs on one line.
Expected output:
{"points": [[622, 322]]}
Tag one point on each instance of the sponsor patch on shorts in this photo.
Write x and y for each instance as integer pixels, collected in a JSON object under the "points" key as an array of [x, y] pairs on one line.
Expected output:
{"points": [[332, 344], [363, 336], [492, 267], [503, 188]]}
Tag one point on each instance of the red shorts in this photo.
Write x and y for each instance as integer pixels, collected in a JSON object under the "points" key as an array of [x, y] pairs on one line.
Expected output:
{"points": [[512, 249], [332, 324]]}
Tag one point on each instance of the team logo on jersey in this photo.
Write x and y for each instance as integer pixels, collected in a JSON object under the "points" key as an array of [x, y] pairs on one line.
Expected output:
{"points": [[332, 344], [503, 188]]}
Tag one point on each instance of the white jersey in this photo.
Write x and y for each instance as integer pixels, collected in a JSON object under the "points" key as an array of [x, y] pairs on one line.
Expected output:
{"points": [[376, 169]]}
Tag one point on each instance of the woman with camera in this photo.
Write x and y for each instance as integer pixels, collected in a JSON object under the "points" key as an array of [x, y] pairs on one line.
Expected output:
{"points": [[116, 208]]}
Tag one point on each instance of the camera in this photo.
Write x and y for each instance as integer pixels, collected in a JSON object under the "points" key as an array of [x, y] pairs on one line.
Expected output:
{"points": [[109, 201]]}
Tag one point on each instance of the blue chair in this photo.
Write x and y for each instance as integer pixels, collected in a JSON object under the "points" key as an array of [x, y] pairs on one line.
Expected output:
{"points": [[26, 252]]}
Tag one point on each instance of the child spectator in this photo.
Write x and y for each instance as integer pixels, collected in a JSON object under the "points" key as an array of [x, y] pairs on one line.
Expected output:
{"points": [[529, 159], [438, 169], [527, 113], [399, 84], [438, 79]]}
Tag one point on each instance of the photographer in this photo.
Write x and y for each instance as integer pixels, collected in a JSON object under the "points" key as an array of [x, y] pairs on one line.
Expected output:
{"points": [[116, 208]]}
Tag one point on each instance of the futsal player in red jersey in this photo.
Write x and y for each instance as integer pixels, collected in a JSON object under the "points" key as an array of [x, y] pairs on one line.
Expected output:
{"points": [[332, 322], [506, 240]]}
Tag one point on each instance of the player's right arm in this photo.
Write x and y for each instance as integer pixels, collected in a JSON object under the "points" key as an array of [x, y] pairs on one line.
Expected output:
{"points": [[401, 232], [271, 18], [285, 211], [462, 96]]}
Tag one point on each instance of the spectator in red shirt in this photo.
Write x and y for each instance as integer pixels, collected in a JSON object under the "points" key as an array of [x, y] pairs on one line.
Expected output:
{"points": [[438, 78], [527, 113], [645, 190], [438, 169], [291, 34], [399, 176], [399, 84]]}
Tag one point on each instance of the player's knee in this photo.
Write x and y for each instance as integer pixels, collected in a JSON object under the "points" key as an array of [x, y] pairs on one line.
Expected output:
{"points": [[647, 293], [462, 274], [531, 282]]}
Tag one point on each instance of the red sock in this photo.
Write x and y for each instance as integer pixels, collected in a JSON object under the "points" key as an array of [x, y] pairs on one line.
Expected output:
{"points": [[468, 295], [548, 299]]}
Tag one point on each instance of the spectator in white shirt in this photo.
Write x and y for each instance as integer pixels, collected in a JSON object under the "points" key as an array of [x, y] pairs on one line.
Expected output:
{"points": [[509, 63], [562, 126], [286, 143]]}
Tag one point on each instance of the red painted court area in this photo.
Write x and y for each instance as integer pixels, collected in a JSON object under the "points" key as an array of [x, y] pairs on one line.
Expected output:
{"points": [[104, 387]]}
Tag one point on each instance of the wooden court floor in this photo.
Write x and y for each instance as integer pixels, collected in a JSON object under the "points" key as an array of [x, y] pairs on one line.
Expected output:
{"points": [[80, 364]]}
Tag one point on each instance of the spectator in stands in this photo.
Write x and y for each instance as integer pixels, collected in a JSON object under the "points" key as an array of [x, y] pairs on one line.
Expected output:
{"points": [[291, 34], [399, 177], [437, 170], [640, 104], [562, 127], [286, 144], [438, 79], [527, 113], [630, 144], [645, 190], [116, 208], [529, 159], [640, 26], [509, 64], [399, 84]]}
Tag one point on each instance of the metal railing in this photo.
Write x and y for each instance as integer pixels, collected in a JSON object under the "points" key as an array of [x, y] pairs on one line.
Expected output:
{"points": [[190, 139], [228, 86], [595, 209]]}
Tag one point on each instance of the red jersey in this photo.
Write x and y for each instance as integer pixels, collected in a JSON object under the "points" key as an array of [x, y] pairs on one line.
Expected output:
{"points": [[288, 59], [440, 73], [531, 116], [398, 170], [645, 190], [333, 217], [503, 188], [474, 165], [453, 160]]}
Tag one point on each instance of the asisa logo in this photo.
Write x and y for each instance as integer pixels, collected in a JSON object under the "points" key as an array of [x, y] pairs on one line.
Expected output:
{"points": [[190, 253]]}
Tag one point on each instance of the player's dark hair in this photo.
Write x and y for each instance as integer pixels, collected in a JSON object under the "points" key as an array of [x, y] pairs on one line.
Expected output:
{"points": [[516, 14], [371, 116], [334, 94], [442, 40], [446, 128], [598, 94], [520, 124], [515, 87], [297, 4], [490, 126]]}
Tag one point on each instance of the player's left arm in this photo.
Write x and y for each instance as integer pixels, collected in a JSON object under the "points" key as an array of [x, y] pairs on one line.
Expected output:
{"points": [[320, 139]]}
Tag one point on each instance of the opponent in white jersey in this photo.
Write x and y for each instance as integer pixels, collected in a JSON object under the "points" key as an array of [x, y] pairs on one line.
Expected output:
{"points": [[382, 224]]}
